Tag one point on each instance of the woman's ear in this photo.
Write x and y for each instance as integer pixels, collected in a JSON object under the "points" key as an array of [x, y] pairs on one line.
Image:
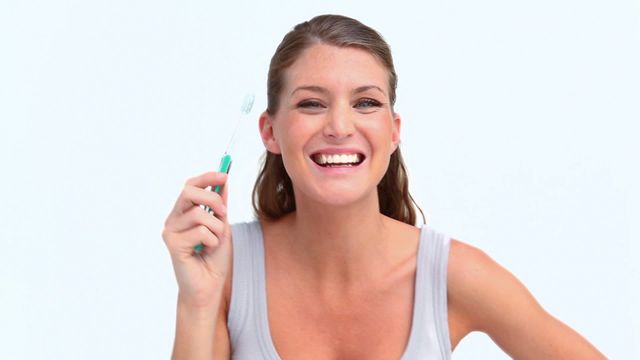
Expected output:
{"points": [[267, 135], [395, 132]]}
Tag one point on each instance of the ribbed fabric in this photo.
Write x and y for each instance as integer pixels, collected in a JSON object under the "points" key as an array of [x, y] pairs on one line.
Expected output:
{"points": [[248, 321]]}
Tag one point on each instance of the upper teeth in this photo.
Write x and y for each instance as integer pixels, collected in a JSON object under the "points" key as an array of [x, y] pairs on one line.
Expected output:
{"points": [[337, 158]]}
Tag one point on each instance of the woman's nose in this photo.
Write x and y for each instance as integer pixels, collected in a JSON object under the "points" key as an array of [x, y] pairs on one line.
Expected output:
{"points": [[339, 122]]}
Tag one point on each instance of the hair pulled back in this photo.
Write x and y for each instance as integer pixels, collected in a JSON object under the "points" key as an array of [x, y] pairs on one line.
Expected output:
{"points": [[273, 195]]}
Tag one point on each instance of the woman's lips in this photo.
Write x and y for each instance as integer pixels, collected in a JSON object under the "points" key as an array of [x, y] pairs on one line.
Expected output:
{"points": [[336, 160], [336, 169]]}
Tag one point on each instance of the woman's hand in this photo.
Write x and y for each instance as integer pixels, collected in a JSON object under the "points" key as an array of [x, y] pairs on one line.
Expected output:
{"points": [[200, 277]]}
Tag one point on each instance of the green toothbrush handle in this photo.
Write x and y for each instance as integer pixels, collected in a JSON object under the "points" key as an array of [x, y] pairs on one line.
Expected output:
{"points": [[225, 166]]}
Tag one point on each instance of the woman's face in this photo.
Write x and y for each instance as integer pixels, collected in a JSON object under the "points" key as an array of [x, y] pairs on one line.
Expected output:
{"points": [[334, 127]]}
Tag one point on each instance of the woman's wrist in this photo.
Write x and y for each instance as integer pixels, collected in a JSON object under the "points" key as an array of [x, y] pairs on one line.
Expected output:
{"points": [[199, 308], [195, 329]]}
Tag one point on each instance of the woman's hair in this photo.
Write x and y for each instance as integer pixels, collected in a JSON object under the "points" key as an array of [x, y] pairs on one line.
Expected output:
{"points": [[273, 191]]}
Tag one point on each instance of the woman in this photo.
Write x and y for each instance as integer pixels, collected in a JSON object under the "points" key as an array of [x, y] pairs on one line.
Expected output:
{"points": [[335, 251]]}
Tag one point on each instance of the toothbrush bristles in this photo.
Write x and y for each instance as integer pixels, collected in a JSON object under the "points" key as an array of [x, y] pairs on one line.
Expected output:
{"points": [[247, 104]]}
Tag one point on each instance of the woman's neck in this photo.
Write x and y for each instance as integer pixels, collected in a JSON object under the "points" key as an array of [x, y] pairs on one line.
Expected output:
{"points": [[339, 247]]}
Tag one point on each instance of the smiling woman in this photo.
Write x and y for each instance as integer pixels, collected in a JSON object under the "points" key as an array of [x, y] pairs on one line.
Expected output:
{"points": [[334, 266], [333, 104]]}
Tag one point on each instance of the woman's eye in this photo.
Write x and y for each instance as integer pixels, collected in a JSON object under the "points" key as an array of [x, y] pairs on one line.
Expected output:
{"points": [[367, 103], [310, 104]]}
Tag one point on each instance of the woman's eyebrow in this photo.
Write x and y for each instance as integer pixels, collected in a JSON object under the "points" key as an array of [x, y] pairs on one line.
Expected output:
{"points": [[367, 87], [320, 89], [314, 88]]}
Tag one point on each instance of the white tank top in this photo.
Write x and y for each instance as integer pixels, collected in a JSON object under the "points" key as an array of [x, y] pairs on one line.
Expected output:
{"points": [[247, 318]]}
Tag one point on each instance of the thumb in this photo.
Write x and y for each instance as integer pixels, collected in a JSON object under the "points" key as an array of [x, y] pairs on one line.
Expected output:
{"points": [[219, 258], [225, 192]]}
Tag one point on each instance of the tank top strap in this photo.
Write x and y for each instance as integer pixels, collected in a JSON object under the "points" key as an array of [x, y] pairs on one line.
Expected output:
{"points": [[247, 317], [430, 329], [241, 280]]}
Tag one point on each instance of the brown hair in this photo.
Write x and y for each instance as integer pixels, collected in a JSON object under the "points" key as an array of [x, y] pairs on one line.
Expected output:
{"points": [[273, 191]]}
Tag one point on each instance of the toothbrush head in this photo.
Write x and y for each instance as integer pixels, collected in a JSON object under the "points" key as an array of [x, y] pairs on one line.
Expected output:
{"points": [[247, 104]]}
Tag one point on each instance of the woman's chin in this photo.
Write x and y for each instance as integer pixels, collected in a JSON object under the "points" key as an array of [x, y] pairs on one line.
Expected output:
{"points": [[338, 195]]}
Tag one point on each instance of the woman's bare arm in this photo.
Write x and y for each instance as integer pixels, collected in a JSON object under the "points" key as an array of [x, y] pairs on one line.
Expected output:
{"points": [[495, 302], [201, 274], [201, 333]]}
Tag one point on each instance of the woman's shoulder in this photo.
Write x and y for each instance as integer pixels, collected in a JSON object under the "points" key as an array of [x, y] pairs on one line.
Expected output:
{"points": [[471, 271], [473, 279], [484, 296], [480, 292], [467, 260], [483, 292]]}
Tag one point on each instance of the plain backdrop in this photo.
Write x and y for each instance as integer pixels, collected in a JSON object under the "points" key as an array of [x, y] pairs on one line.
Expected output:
{"points": [[520, 135]]}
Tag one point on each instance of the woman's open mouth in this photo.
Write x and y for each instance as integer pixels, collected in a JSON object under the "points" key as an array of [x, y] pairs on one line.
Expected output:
{"points": [[338, 160]]}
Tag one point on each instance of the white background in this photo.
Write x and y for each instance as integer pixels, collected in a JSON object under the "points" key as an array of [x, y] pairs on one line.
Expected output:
{"points": [[520, 135]]}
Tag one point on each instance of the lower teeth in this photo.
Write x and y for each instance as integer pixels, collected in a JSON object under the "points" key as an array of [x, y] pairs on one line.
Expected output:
{"points": [[336, 165]]}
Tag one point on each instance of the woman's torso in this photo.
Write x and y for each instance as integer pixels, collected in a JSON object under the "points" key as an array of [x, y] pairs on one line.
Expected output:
{"points": [[371, 322]]}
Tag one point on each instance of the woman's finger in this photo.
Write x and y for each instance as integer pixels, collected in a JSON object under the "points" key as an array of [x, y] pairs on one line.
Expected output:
{"points": [[183, 242], [195, 196], [194, 217], [210, 178]]}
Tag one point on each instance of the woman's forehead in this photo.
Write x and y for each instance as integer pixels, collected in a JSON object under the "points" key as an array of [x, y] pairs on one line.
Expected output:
{"points": [[333, 67]]}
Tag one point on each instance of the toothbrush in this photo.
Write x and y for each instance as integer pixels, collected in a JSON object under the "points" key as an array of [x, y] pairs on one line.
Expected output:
{"points": [[225, 162]]}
